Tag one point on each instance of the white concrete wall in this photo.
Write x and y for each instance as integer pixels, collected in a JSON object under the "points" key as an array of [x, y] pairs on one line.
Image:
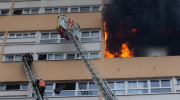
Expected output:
{"points": [[150, 97], [14, 93], [45, 48], [21, 40], [1, 41], [56, 98], [5, 5], [55, 3]]}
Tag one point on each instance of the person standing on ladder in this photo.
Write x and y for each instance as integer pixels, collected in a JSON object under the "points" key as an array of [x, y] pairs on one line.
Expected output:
{"points": [[28, 57], [41, 86]]}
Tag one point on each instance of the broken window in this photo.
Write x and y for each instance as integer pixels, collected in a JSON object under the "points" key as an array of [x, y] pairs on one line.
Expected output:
{"points": [[12, 87], [17, 12], [68, 87], [42, 57]]}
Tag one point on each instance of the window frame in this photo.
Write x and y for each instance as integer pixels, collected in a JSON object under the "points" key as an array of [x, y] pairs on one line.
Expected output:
{"points": [[137, 86], [22, 35], [4, 10], [30, 11], [87, 89], [49, 38], [90, 36], [16, 89], [160, 85], [1, 35]]}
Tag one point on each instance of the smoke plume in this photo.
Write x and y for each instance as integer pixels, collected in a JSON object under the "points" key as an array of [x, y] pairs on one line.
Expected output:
{"points": [[143, 24]]}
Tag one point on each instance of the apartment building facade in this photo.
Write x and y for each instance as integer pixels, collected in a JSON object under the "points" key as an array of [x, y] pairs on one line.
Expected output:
{"points": [[29, 26]]}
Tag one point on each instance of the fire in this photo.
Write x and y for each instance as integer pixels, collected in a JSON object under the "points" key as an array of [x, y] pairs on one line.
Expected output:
{"points": [[124, 52], [107, 54]]}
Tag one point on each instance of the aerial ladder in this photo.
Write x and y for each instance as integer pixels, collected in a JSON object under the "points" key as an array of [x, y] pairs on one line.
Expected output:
{"points": [[32, 76], [70, 30]]}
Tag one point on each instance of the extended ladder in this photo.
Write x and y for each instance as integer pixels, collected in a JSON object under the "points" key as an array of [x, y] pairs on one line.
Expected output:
{"points": [[32, 76], [64, 30]]}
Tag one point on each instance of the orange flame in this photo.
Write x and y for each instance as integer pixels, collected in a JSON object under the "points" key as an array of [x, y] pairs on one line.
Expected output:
{"points": [[107, 54], [125, 52]]}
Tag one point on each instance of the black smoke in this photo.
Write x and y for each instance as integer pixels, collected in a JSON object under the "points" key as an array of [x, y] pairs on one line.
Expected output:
{"points": [[157, 24]]}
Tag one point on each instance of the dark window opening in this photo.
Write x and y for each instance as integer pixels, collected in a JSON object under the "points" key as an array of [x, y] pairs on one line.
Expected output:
{"points": [[5, 12], [10, 87], [42, 57], [17, 12], [68, 86]]}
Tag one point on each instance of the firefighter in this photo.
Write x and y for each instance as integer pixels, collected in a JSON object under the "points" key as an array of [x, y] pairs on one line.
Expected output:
{"points": [[28, 57], [41, 85]]}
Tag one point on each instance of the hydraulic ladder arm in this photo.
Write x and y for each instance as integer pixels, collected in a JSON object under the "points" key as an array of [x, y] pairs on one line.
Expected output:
{"points": [[32, 76], [71, 30]]}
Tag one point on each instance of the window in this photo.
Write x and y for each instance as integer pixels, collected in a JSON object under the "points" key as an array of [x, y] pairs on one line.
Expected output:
{"points": [[90, 36], [178, 81], [58, 57], [95, 8], [1, 36], [74, 9], [56, 10], [49, 90], [160, 86], [63, 10], [17, 12], [42, 56], [48, 10], [94, 55], [9, 58], [68, 90], [49, 37], [11, 35], [12, 87], [2, 87], [32, 35], [21, 35], [50, 56], [25, 35], [34, 11], [137, 87], [18, 35], [87, 89], [24, 86], [4, 12], [117, 87], [70, 56], [84, 9], [25, 11], [17, 58]]}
